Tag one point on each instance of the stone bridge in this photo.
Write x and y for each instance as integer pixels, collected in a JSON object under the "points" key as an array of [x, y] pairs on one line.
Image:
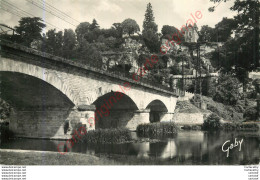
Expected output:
{"points": [[52, 96]]}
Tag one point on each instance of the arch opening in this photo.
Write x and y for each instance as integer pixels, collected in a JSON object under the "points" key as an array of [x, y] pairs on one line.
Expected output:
{"points": [[157, 109], [114, 110], [39, 109]]}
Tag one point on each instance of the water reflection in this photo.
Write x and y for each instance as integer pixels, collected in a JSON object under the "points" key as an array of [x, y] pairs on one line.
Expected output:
{"points": [[189, 147]]}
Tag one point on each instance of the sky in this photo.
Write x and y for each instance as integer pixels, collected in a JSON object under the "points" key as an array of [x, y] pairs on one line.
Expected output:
{"points": [[106, 12]]}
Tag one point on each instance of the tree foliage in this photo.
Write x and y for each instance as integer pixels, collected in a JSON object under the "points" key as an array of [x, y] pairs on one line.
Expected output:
{"points": [[246, 26], [149, 22], [224, 28], [212, 122], [207, 34], [169, 31], [82, 30], [227, 91], [149, 32], [130, 26], [53, 42], [29, 29], [69, 43], [94, 25]]}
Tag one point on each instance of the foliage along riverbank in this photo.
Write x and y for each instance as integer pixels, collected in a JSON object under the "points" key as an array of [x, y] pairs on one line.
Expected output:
{"points": [[213, 123], [107, 136], [159, 129]]}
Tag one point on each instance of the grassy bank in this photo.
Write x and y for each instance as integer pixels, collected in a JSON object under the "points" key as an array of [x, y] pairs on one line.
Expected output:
{"points": [[26, 157], [157, 129]]}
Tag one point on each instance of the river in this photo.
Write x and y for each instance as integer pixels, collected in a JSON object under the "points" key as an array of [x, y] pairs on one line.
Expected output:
{"points": [[188, 147]]}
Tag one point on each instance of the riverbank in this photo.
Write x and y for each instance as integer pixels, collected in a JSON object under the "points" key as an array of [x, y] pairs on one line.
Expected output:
{"points": [[29, 157]]}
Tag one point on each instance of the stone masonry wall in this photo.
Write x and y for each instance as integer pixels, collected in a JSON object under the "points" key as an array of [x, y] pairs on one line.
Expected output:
{"points": [[44, 124], [188, 118]]}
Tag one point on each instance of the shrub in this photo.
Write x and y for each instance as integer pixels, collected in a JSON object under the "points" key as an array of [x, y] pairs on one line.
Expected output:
{"points": [[251, 114], [212, 122], [157, 129], [5, 133], [219, 111], [107, 136]]}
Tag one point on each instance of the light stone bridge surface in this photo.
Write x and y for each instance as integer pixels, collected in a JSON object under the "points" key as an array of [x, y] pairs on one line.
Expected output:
{"points": [[51, 96]]}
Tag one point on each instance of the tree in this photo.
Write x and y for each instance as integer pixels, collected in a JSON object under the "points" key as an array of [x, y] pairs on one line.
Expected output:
{"points": [[30, 29], [149, 23], [53, 42], [130, 26], [87, 31], [119, 29], [227, 91], [82, 30], [168, 31], [247, 28], [149, 33], [207, 34], [58, 43], [111, 42], [69, 43], [94, 25], [224, 29], [88, 54]]}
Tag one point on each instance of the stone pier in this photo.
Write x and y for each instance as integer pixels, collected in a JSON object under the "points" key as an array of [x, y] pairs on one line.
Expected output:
{"points": [[140, 117]]}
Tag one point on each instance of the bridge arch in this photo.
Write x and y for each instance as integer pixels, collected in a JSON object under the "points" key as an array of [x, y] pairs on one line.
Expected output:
{"points": [[38, 108], [113, 110], [48, 76], [157, 109], [112, 89]]}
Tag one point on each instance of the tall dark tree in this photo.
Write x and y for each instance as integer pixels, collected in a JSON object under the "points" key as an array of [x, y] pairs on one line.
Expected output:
{"points": [[149, 23], [150, 29], [29, 29]]}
